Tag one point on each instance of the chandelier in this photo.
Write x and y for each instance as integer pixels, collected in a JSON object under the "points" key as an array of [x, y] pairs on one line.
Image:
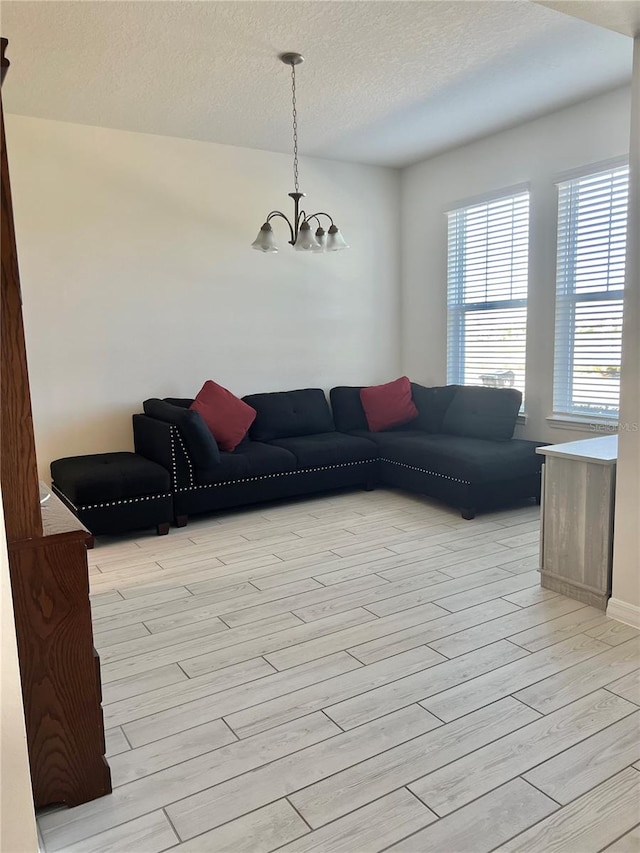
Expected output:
{"points": [[302, 237]]}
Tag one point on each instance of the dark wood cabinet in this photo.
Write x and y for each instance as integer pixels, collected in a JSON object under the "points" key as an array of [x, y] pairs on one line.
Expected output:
{"points": [[59, 667], [47, 546]]}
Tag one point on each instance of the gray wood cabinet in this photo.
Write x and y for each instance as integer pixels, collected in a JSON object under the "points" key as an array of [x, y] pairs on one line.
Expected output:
{"points": [[576, 530]]}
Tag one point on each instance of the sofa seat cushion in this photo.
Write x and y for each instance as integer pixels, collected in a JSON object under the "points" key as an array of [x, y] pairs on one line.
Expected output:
{"points": [[250, 459], [329, 448], [289, 413], [469, 460]]}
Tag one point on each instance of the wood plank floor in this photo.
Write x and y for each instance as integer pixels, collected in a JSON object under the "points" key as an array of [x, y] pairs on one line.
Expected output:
{"points": [[355, 673]]}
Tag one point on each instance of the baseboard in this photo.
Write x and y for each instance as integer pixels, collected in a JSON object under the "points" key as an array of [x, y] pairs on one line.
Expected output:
{"points": [[574, 589], [623, 612]]}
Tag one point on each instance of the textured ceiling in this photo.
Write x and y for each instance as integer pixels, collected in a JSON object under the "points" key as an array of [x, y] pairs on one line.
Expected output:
{"points": [[384, 82]]}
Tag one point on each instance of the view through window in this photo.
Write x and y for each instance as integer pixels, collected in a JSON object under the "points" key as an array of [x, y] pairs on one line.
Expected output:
{"points": [[592, 229], [488, 255]]}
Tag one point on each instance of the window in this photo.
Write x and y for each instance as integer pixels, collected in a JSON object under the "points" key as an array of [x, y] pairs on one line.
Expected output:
{"points": [[487, 292], [592, 231]]}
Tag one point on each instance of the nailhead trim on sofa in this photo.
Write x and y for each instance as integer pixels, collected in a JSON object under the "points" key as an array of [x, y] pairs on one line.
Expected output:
{"points": [[174, 465], [270, 476], [121, 502], [426, 471], [175, 433]]}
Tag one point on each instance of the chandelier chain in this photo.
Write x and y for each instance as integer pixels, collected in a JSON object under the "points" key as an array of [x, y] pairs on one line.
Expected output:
{"points": [[295, 129], [301, 233]]}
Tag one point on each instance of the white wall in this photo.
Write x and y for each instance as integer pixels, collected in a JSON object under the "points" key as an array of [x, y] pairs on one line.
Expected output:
{"points": [[535, 152], [17, 821], [139, 280], [625, 601]]}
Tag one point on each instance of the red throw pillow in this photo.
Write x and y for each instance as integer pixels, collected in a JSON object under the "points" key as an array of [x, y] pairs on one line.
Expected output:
{"points": [[226, 415], [388, 405]]}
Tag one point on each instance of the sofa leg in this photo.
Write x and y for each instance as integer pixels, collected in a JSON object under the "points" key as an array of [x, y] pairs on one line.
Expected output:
{"points": [[468, 512], [181, 520], [370, 484], [163, 528]]}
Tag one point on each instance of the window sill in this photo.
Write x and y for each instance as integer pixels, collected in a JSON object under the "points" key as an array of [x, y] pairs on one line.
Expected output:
{"points": [[600, 426], [521, 419]]}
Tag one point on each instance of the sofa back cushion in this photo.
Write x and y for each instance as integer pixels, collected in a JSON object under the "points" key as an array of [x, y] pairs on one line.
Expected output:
{"points": [[284, 414], [479, 412], [347, 408], [182, 402], [199, 443], [432, 404]]}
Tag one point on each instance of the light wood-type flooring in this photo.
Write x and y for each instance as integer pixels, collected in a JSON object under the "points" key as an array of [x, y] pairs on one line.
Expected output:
{"points": [[355, 672]]}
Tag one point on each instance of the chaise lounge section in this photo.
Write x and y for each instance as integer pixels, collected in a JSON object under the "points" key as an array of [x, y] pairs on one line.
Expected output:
{"points": [[459, 449]]}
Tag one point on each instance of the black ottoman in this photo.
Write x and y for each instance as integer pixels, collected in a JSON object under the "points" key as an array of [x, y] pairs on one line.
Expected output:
{"points": [[114, 492]]}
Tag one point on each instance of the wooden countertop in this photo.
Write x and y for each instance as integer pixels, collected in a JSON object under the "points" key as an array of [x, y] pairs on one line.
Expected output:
{"points": [[601, 451]]}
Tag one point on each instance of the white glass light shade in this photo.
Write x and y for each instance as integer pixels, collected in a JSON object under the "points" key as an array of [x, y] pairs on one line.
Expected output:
{"points": [[306, 240], [265, 241], [335, 240], [321, 240]]}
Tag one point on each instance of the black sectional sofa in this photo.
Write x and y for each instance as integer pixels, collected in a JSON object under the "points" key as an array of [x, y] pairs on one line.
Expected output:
{"points": [[293, 448], [458, 449]]}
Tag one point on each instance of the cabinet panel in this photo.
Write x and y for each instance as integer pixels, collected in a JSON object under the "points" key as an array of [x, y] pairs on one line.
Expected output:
{"points": [[577, 529], [60, 679]]}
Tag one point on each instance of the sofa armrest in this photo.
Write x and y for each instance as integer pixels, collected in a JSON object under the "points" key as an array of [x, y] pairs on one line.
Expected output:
{"points": [[196, 436], [157, 440]]}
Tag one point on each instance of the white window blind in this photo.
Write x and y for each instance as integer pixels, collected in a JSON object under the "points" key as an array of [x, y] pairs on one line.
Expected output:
{"points": [[487, 292], [592, 232]]}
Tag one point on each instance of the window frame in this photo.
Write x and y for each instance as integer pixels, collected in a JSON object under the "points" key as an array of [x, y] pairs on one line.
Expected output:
{"points": [[457, 309], [565, 408]]}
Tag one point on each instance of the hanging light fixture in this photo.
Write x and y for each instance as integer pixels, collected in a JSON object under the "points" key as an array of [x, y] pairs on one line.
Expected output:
{"points": [[302, 236]]}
